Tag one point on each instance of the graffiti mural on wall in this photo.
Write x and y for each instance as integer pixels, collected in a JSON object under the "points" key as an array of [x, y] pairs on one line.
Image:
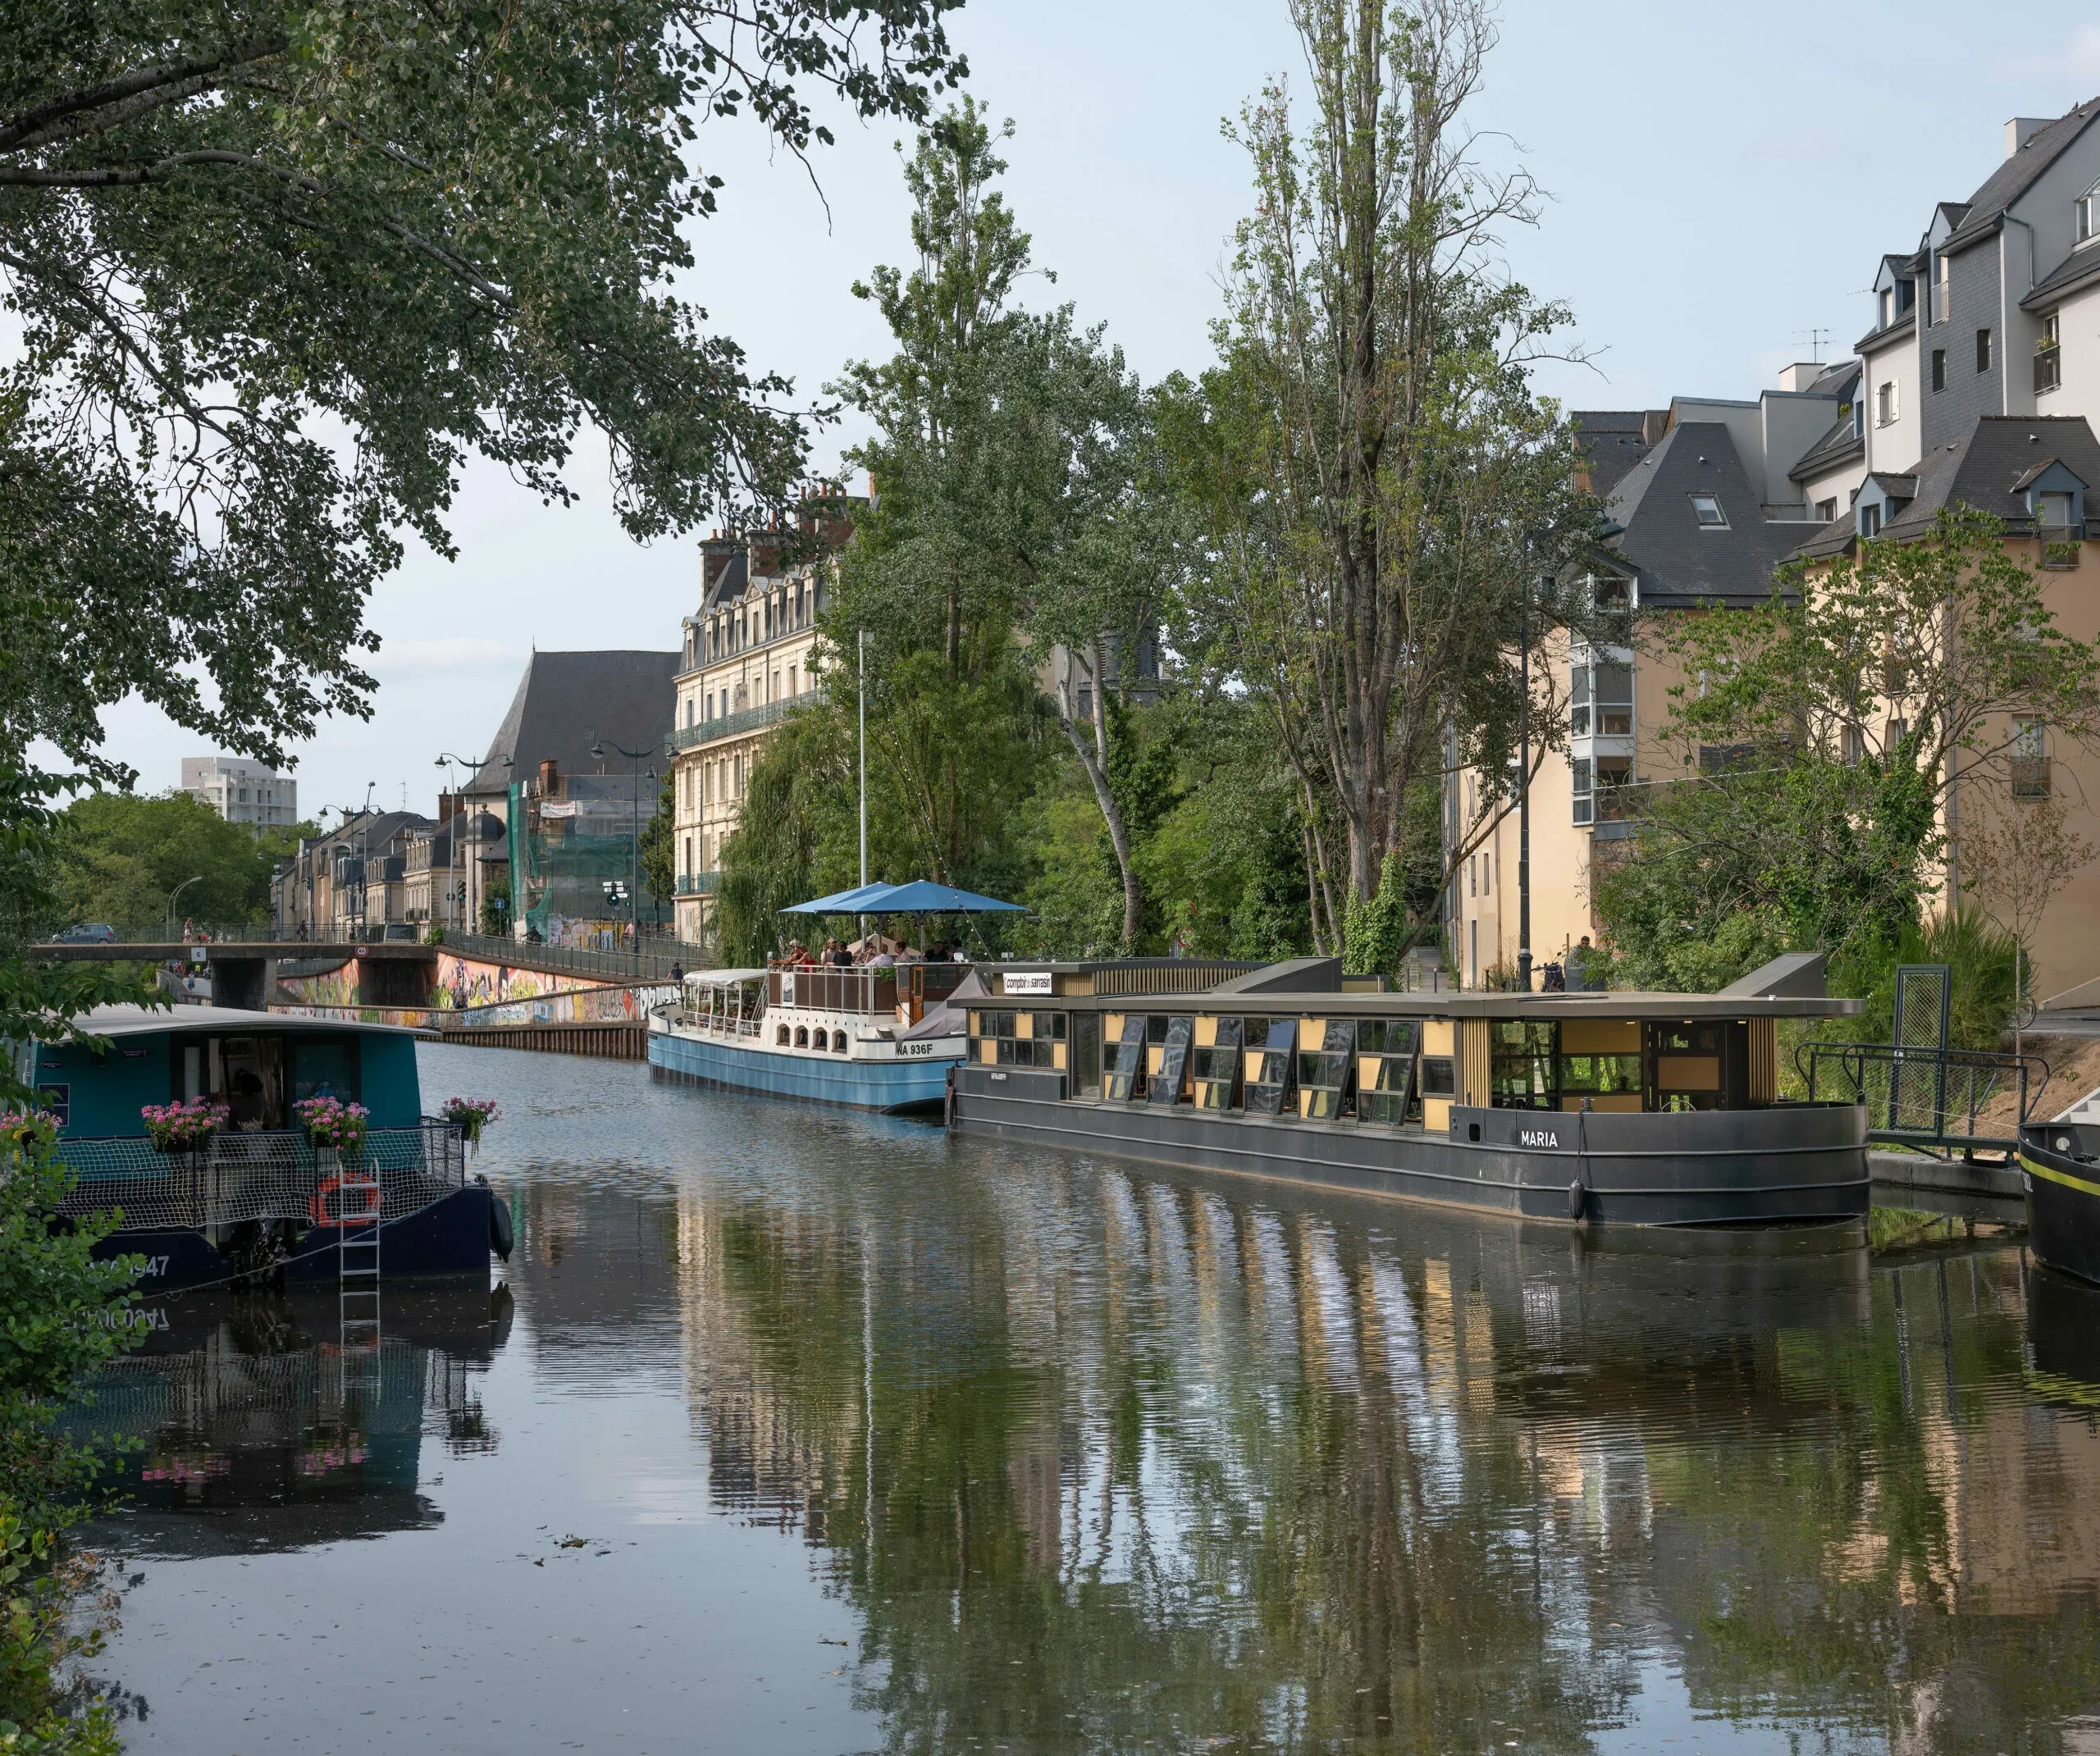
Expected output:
{"points": [[458, 984], [466, 982], [581, 1006]]}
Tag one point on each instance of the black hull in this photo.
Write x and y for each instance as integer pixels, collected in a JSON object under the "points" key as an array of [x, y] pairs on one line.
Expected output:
{"points": [[2063, 1199], [1790, 1164], [448, 1237]]}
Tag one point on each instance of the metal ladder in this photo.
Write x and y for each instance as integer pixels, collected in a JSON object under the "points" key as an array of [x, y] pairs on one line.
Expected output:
{"points": [[356, 1280]]}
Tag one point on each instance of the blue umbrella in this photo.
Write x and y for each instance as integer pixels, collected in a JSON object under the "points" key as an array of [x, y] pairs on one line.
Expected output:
{"points": [[861, 899], [923, 896]]}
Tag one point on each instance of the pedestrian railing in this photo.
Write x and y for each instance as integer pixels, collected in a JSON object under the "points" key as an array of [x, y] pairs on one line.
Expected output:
{"points": [[262, 1176], [1930, 1097], [657, 958]]}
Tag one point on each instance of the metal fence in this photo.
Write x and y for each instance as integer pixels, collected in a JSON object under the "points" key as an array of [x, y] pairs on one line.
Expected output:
{"points": [[1927, 1097], [260, 1176], [657, 956]]}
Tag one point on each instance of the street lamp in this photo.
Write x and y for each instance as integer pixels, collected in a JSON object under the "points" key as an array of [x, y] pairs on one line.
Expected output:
{"points": [[634, 889], [171, 895]]}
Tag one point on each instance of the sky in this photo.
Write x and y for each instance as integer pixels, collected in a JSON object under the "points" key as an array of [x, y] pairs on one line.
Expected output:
{"points": [[1722, 183]]}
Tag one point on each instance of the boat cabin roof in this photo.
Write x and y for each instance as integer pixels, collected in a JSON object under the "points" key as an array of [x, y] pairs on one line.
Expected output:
{"points": [[1331, 1003], [721, 977], [150, 1021]]}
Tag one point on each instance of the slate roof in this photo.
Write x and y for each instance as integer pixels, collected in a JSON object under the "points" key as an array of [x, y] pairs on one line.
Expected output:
{"points": [[1843, 443], [1982, 468], [2014, 175], [2074, 271], [566, 698], [1889, 332], [1679, 562], [1612, 442]]}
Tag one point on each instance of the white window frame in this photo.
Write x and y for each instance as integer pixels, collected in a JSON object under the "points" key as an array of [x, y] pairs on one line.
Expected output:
{"points": [[1719, 521], [1887, 409]]}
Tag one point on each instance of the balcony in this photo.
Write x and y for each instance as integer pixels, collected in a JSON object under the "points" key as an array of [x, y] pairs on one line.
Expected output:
{"points": [[2048, 369], [2060, 544], [697, 883], [735, 725]]}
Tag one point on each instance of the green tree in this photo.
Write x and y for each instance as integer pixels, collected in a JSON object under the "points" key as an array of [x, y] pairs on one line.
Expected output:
{"points": [[1013, 493], [1377, 479], [1819, 737], [659, 875], [277, 269], [122, 857]]}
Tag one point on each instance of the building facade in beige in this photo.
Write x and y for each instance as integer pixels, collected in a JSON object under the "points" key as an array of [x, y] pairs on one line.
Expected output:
{"points": [[749, 658]]}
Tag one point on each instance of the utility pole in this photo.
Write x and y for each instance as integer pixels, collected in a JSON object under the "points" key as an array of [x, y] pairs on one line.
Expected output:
{"points": [[1524, 794], [861, 644]]}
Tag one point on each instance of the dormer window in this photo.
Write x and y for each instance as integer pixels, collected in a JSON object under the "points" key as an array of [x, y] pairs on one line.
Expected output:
{"points": [[2086, 210], [1887, 307], [1706, 509]]}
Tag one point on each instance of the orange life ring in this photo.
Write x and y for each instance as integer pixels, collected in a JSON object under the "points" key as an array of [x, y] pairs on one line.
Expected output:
{"points": [[330, 1185]]}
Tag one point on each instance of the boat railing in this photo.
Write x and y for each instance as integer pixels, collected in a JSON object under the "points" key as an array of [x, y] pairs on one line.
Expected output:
{"points": [[262, 1176], [1944, 1099]]}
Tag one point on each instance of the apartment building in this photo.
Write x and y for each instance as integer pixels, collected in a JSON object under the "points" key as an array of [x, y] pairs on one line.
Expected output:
{"points": [[1976, 383], [1702, 501], [242, 792], [351, 883], [749, 658]]}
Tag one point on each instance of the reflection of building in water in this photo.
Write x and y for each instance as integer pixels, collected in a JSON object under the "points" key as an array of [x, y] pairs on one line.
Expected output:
{"points": [[1289, 1468], [246, 1421]]}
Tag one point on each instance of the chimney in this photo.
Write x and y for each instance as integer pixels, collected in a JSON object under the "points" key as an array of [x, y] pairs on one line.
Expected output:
{"points": [[1800, 375], [2022, 128], [550, 780]]}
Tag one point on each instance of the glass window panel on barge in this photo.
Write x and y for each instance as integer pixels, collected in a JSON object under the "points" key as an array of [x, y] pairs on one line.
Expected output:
{"points": [[1018, 1039], [1271, 1046], [1324, 1084], [1386, 1088]]}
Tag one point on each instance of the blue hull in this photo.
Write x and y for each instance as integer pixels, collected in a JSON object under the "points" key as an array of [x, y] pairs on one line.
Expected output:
{"points": [[448, 1237], [886, 1085]]}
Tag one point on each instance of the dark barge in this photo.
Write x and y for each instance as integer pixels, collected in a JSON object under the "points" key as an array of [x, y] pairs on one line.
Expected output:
{"points": [[2059, 1173], [1619, 1108]]}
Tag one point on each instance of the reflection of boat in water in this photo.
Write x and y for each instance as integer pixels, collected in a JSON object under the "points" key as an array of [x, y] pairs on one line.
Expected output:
{"points": [[2063, 1339], [258, 1197], [2060, 1166], [1640, 1109], [245, 1423]]}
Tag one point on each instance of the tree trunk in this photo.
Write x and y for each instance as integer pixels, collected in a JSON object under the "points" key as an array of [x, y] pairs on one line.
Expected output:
{"points": [[1095, 762]]}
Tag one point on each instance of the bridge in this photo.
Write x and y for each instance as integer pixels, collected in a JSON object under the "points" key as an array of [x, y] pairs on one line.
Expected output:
{"points": [[391, 972]]}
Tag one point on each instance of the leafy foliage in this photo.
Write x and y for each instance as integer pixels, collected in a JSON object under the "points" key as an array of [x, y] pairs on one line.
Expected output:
{"points": [[279, 269], [1375, 479], [121, 856]]}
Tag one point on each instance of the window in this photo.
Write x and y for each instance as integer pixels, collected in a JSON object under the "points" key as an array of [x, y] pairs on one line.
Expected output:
{"points": [[1614, 774], [1706, 509], [1826, 510], [2087, 210], [1579, 701], [1946, 306], [1613, 687], [1871, 520], [1884, 403], [1488, 873], [1521, 1066], [2030, 760], [1859, 413], [1939, 368], [2048, 358], [1585, 805], [1856, 746], [2053, 512], [1982, 350]]}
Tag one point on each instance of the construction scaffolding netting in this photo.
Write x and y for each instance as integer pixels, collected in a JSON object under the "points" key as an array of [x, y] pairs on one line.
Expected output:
{"points": [[566, 851]]}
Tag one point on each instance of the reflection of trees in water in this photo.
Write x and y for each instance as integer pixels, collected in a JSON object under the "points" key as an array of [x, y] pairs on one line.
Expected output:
{"points": [[1099, 1458]]}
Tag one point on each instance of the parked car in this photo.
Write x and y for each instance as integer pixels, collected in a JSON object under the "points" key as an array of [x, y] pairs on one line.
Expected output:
{"points": [[86, 933]]}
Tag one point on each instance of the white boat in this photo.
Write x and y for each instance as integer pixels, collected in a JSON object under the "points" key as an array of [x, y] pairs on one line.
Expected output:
{"points": [[870, 1038]]}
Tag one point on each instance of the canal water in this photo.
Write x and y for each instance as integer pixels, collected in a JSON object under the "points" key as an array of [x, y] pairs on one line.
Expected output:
{"points": [[785, 1431]]}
